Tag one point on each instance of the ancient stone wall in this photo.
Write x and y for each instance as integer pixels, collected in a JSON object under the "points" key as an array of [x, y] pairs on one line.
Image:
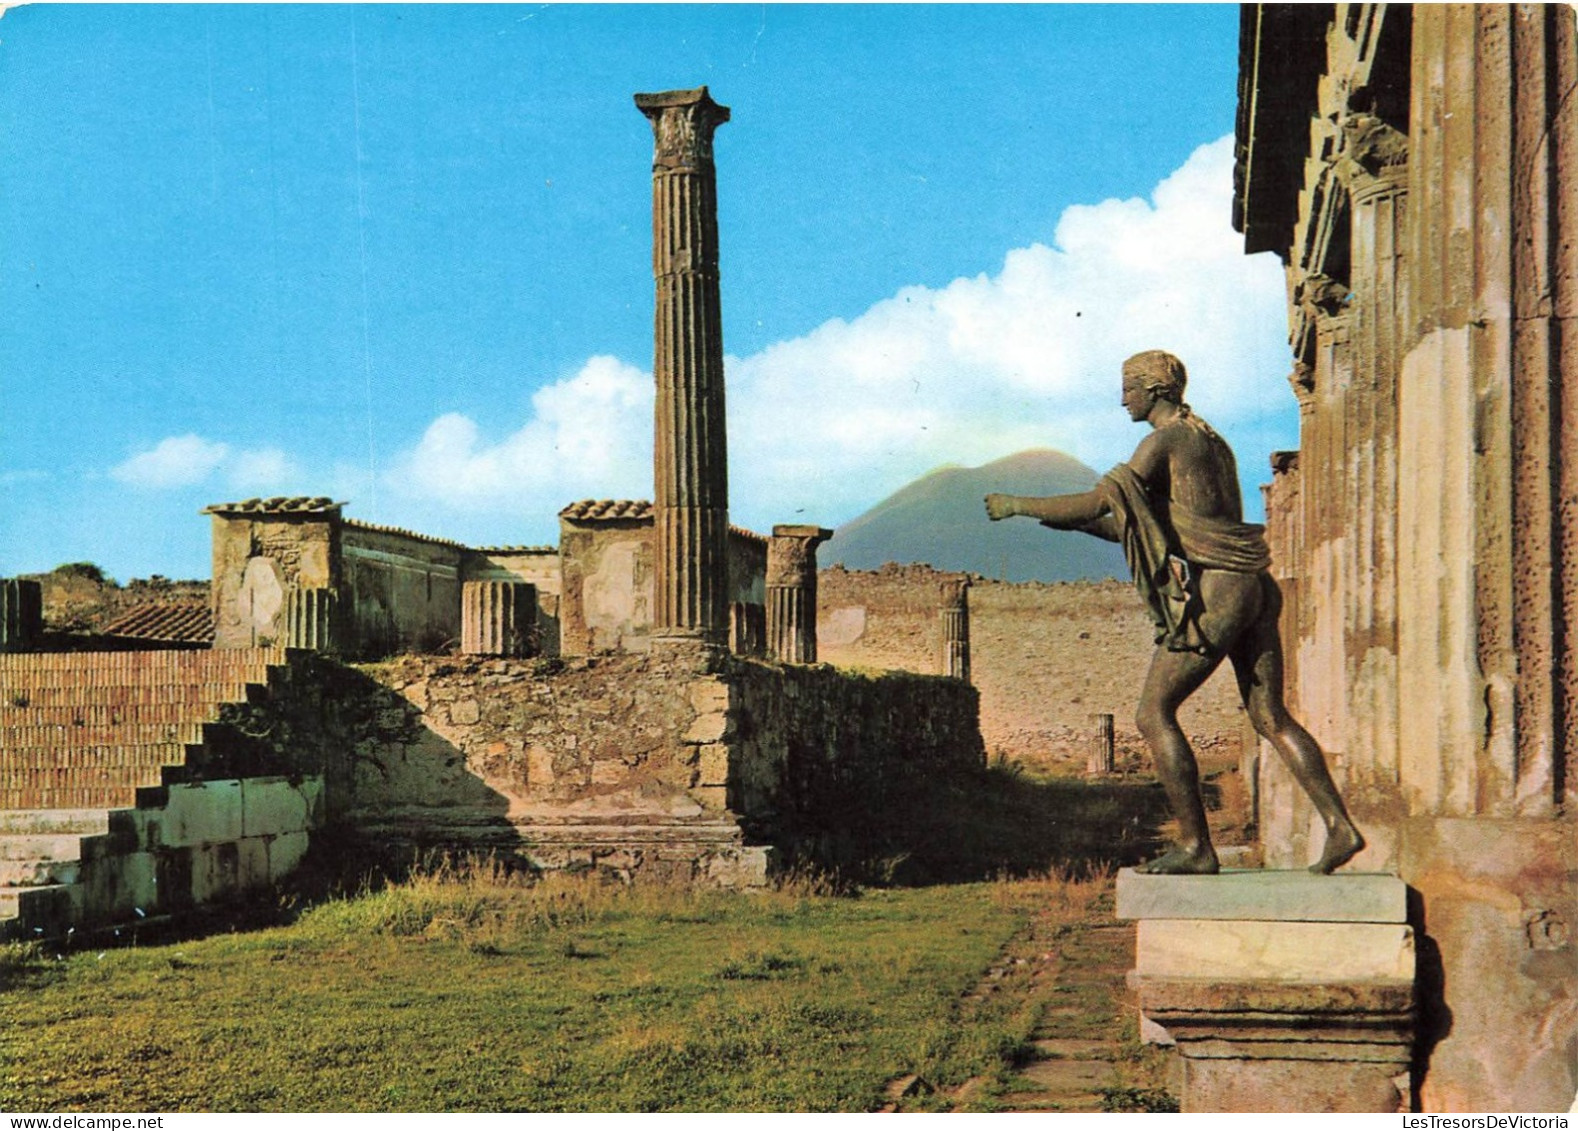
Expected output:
{"points": [[640, 762], [261, 550], [535, 565], [1046, 658]]}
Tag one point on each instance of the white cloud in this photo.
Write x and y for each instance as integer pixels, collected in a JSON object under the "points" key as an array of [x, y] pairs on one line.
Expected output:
{"points": [[590, 435], [1028, 357], [265, 469], [177, 461], [825, 425]]}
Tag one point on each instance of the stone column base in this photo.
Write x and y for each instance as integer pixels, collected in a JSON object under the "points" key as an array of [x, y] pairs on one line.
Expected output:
{"points": [[1280, 991]]}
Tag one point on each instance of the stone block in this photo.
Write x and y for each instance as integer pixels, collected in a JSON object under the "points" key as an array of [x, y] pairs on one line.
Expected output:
{"points": [[271, 806], [712, 797], [203, 814], [712, 765], [1264, 895], [216, 871], [714, 726], [1292, 1086], [539, 767], [252, 871], [608, 772], [285, 854], [708, 695], [465, 713], [1264, 951]]}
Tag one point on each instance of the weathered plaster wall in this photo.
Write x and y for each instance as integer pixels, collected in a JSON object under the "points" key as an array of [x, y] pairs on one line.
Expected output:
{"points": [[256, 559], [1046, 658], [404, 589], [535, 565]]}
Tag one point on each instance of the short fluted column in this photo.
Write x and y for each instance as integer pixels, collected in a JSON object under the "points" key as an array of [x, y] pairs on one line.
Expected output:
{"points": [[498, 618], [955, 614], [690, 452], [312, 619], [791, 592], [21, 614]]}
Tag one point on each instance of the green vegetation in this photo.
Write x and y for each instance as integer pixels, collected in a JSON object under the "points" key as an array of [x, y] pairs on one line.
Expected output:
{"points": [[471, 989]]}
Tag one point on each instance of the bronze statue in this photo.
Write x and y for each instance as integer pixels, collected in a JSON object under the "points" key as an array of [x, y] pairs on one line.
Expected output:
{"points": [[1176, 510]]}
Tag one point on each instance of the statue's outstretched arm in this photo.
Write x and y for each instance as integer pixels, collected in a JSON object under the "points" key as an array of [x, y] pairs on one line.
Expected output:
{"points": [[1061, 512]]}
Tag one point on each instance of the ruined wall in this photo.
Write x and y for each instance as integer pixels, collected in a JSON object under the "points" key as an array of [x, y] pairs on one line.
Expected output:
{"points": [[1428, 527], [1046, 658], [647, 763], [403, 589], [813, 753]]}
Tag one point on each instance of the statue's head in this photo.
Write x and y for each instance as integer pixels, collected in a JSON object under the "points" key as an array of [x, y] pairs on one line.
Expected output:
{"points": [[1158, 373]]}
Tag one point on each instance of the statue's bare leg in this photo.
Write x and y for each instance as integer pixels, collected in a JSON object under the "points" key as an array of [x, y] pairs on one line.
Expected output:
{"points": [[1172, 678], [1257, 661]]}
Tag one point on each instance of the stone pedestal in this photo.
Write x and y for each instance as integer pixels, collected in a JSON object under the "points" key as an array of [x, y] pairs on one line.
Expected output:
{"points": [[1281, 991], [791, 593], [498, 618], [21, 614]]}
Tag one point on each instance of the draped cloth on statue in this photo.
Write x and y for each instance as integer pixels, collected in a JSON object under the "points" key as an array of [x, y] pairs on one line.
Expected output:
{"points": [[1160, 548]]}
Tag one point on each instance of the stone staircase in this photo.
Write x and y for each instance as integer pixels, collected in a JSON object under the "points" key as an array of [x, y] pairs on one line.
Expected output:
{"points": [[86, 734]]}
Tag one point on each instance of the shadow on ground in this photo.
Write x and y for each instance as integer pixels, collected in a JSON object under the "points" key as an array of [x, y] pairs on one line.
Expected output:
{"points": [[998, 822]]}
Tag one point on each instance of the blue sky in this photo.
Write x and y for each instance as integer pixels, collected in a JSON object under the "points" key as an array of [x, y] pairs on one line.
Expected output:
{"points": [[401, 256]]}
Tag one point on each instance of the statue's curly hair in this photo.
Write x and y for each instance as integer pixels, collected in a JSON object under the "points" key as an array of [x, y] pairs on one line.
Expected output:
{"points": [[1162, 373]]}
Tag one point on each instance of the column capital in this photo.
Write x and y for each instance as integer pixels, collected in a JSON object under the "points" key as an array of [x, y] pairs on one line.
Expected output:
{"points": [[791, 553], [1373, 158], [683, 122]]}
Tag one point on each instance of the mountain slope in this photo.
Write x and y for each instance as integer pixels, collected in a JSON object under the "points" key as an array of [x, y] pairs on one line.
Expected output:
{"points": [[940, 519]]}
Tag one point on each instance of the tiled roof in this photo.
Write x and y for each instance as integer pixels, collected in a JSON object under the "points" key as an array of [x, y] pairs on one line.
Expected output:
{"points": [[741, 532], [607, 510], [279, 504], [516, 549], [401, 532], [185, 622]]}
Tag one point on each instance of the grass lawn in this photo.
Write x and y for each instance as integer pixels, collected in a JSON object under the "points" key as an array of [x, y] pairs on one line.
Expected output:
{"points": [[473, 991]]}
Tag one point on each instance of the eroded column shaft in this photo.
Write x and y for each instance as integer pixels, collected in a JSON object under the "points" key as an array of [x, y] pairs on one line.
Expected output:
{"points": [[791, 592], [955, 613]]}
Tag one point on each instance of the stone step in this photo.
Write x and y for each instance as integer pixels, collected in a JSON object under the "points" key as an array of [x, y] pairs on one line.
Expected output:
{"points": [[97, 735], [199, 697], [80, 796], [1067, 1077], [47, 910], [39, 821], [37, 765], [135, 714], [140, 665], [34, 873], [1073, 1048], [41, 846]]}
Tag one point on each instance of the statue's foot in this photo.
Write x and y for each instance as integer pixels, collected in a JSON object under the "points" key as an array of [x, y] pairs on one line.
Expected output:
{"points": [[1342, 845], [1183, 862]]}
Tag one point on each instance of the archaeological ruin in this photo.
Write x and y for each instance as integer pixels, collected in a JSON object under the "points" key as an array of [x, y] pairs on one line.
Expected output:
{"points": [[641, 698], [1416, 170], [656, 696]]}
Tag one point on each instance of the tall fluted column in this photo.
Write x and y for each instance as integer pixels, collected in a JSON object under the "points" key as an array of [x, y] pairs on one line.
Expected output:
{"points": [[955, 613], [791, 592], [690, 453]]}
